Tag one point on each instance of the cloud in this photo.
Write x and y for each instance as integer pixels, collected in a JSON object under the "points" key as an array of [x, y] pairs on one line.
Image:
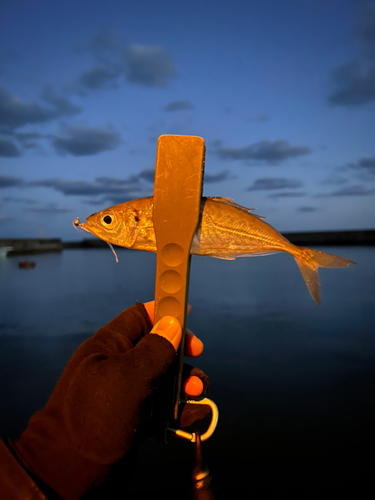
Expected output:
{"points": [[306, 209], [17, 199], [8, 149], [267, 151], [287, 194], [101, 44], [85, 141], [355, 84], [14, 113], [97, 78], [116, 199], [178, 105], [101, 186], [148, 175], [368, 163], [26, 136], [49, 209], [357, 190], [219, 177], [148, 65], [61, 104], [9, 181], [365, 168], [267, 183]]}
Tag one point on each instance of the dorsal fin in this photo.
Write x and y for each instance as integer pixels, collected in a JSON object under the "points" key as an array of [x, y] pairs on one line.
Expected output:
{"points": [[231, 203]]}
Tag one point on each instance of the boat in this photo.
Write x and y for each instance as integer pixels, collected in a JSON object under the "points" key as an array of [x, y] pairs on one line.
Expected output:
{"points": [[27, 264]]}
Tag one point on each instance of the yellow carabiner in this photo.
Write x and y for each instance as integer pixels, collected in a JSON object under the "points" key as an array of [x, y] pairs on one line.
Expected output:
{"points": [[211, 428]]}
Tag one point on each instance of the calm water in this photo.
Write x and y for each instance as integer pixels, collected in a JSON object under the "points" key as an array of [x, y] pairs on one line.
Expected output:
{"points": [[294, 382]]}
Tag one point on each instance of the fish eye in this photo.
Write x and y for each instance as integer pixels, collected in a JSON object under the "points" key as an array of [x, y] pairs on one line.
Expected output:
{"points": [[136, 215], [107, 219]]}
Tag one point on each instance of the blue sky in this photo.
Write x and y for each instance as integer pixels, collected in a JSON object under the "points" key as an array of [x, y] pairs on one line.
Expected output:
{"points": [[283, 92]]}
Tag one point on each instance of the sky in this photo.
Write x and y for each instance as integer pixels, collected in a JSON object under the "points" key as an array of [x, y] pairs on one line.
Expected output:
{"points": [[283, 93]]}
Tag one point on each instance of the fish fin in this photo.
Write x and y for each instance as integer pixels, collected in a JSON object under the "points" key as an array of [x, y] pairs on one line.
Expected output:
{"points": [[237, 256], [310, 261], [223, 257], [259, 254], [231, 203]]}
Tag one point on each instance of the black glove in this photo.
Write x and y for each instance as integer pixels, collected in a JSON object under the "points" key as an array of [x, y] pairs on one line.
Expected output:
{"points": [[98, 408]]}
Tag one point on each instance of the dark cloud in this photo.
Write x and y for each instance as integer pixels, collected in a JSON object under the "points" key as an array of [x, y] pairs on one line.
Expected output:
{"points": [[142, 64], [148, 65], [116, 200], [148, 175], [27, 136], [61, 104], [368, 163], [219, 177], [355, 84], [365, 167], [357, 190], [267, 151], [334, 179], [306, 209], [7, 181], [49, 209], [178, 105], [14, 113], [84, 141], [101, 186], [287, 194], [104, 42], [98, 78], [267, 183], [17, 199], [8, 148]]}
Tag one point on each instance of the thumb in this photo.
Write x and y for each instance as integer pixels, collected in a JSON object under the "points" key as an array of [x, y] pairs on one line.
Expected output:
{"points": [[169, 328]]}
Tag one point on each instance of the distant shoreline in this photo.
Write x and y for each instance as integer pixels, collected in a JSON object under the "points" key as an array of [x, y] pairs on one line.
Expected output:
{"points": [[348, 238], [22, 246]]}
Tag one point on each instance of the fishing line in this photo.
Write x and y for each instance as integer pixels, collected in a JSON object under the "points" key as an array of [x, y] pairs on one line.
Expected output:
{"points": [[114, 253]]}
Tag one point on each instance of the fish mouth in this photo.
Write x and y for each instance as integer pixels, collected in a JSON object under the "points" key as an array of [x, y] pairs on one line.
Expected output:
{"points": [[76, 224]]}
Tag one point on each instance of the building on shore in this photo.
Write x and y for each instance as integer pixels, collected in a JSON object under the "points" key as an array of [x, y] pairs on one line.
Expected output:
{"points": [[19, 246]]}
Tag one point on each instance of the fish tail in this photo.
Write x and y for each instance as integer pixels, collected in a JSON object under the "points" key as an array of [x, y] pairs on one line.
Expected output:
{"points": [[309, 261]]}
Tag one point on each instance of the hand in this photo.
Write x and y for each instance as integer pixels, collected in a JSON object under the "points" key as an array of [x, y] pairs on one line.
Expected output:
{"points": [[169, 328], [102, 403]]}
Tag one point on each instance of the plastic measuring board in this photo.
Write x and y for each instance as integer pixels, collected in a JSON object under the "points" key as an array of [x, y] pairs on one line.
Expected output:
{"points": [[176, 213]]}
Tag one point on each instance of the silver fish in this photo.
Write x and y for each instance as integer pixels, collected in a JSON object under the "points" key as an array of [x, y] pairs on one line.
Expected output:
{"points": [[226, 231]]}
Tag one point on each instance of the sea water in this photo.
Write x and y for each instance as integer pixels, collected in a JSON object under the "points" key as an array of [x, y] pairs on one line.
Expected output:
{"points": [[286, 374]]}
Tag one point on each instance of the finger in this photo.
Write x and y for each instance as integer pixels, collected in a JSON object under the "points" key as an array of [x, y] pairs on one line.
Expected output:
{"points": [[169, 328], [193, 386], [150, 308], [193, 345]]}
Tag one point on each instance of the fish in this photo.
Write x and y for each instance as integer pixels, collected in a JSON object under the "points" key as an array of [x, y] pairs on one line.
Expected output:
{"points": [[226, 231]]}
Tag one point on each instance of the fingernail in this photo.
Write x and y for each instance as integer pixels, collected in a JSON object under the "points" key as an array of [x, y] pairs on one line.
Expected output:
{"points": [[167, 327], [197, 346]]}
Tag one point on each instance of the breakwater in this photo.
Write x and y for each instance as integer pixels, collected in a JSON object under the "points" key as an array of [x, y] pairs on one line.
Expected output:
{"points": [[348, 238], [20, 246]]}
